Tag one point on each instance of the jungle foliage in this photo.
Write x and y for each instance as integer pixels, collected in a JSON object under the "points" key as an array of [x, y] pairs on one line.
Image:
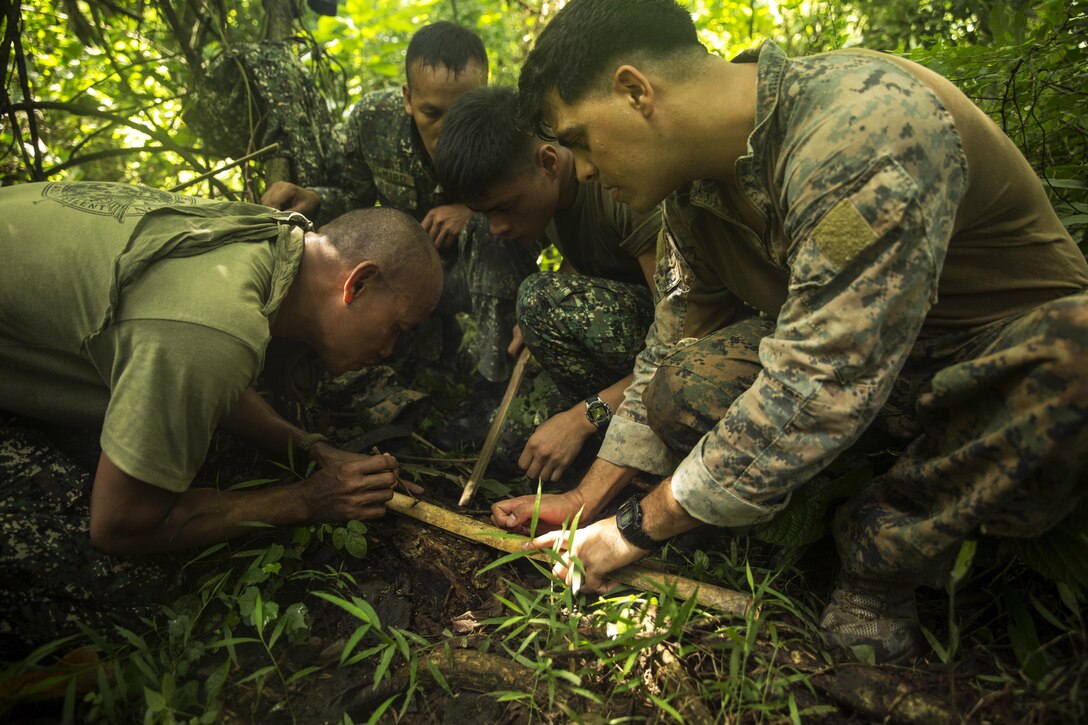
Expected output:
{"points": [[313, 623], [102, 90]]}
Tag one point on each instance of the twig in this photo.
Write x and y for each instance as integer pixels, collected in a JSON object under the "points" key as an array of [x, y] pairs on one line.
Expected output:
{"points": [[224, 167], [496, 428], [724, 600], [375, 451]]}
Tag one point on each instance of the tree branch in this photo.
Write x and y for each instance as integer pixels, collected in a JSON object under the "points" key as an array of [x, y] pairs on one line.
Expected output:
{"points": [[157, 135], [98, 156]]}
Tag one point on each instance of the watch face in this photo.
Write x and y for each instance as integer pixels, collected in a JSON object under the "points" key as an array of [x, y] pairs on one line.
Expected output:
{"points": [[598, 412], [625, 516]]}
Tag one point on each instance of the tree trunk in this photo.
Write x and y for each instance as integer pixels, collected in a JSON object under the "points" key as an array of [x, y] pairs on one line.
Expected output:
{"points": [[279, 25]]}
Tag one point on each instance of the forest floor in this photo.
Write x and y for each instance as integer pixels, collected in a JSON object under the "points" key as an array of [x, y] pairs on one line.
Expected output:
{"points": [[398, 621]]}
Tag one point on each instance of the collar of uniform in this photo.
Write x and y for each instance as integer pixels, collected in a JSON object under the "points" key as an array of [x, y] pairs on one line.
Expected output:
{"points": [[708, 192], [750, 169]]}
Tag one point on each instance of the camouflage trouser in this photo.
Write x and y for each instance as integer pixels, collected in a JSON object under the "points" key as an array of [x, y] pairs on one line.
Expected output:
{"points": [[584, 331], [50, 575], [483, 280], [995, 424]]}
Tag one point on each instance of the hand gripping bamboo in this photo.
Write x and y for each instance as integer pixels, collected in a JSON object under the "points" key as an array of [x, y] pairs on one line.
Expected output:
{"points": [[641, 577]]}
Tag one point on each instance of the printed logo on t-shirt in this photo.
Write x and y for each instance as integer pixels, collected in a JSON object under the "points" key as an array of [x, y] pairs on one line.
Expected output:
{"points": [[106, 198]]}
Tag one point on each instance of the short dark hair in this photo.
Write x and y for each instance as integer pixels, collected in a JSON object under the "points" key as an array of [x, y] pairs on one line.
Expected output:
{"points": [[447, 44], [586, 36], [482, 141], [387, 235]]}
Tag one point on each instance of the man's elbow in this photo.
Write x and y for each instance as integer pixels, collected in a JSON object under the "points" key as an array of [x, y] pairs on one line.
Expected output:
{"points": [[109, 536], [123, 535]]}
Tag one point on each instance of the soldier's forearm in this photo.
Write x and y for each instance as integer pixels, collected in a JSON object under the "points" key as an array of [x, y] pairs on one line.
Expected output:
{"points": [[253, 419], [663, 516], [601, 484], [129, 516]]}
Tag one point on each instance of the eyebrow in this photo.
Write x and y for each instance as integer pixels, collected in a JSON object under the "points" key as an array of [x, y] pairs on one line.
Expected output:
{"points": [[492, 207], [569, 136]]}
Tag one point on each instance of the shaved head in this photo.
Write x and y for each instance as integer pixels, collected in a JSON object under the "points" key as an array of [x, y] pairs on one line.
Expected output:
{"points": [[389, 237]]}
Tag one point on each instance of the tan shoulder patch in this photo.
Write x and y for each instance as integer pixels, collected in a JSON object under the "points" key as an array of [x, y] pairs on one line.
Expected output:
{"points": [[842, 233]]}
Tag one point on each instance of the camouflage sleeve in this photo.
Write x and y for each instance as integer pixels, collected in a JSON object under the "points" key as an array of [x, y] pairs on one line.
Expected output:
{"points": [[869, 230], [351, 182], [630, 441]]}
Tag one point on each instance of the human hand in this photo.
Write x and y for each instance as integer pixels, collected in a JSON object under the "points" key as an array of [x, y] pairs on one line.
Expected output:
{"points": [[588, 555], [515, 514], [350, 486], [553, 445], [285, 196], [444, 223], [516, 342]]}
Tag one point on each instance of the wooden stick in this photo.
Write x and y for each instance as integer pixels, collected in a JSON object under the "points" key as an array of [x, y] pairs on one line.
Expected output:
{"points": [[640, 577], [224, 167], [496, 427]]}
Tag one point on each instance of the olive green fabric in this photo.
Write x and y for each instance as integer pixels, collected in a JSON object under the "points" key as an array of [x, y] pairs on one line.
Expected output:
{"points": [[600, 237], [135, 308]]}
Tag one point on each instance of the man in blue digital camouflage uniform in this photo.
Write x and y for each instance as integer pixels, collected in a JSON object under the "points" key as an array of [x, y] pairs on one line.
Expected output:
{"points": [[910, 272], [387, 144]]}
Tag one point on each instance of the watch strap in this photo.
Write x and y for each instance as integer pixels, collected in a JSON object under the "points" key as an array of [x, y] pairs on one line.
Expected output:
{"points": [[629, 522]]}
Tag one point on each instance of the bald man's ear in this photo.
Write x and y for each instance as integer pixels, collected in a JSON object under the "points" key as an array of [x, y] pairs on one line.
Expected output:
{"points": [[636, 88], [357, 280]]}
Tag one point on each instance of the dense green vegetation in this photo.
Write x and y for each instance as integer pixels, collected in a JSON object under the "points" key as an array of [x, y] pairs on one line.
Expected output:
{"points": [[356, 623]]}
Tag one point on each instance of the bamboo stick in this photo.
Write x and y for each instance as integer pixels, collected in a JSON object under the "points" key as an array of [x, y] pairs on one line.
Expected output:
{"points": [[492, 439], [640, 577]]}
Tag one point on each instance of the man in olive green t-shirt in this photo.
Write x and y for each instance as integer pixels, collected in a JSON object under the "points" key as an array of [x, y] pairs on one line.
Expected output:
{"points": [[148, 313]]}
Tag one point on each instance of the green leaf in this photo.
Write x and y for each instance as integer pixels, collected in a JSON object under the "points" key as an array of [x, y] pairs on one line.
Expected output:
{"points": [[963, 562], [383, 664], [376, 716], [155, 701], [438, 677], [667, 708]]}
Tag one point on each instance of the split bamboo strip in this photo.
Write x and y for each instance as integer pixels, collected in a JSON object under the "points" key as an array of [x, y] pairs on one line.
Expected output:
{"points": [[640, 577], [492, 439]]}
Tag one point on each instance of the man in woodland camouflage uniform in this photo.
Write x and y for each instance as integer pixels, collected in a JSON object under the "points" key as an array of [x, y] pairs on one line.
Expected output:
{"points": [[155, 338], [910, 271], [585, 324], [387, 145]]}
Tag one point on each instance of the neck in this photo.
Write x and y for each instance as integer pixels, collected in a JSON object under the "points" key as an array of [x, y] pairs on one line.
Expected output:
{"points": [[716, 114], [296, 318]]}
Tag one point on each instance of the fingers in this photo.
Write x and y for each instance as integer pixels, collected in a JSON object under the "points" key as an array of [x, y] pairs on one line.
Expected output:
{"points": [[428, 223], [547, 541], [370, 464], [413, 488], [512, 513], [445, 237]]}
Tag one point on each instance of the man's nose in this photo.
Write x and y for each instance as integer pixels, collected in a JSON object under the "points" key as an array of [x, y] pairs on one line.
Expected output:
{"points": [[499, 227], [388, 348], [584, 168]]}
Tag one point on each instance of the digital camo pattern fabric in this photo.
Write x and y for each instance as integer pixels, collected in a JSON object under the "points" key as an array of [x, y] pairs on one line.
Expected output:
{"points": [[51, 577], [848, 266], [1004, 450], [266, 84], [584, 331], [381, 159]]}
